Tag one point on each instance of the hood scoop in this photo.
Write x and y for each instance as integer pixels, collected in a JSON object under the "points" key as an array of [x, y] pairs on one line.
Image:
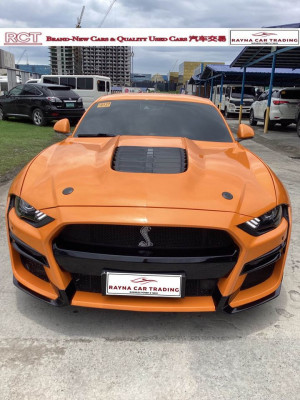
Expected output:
{"points": [[153, 160]]}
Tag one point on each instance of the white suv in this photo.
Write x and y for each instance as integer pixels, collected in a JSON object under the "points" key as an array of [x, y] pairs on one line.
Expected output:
{"points": [[283, 107]]}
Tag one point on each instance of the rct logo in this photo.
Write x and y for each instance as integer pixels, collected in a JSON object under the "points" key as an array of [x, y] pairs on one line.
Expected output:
{"points": [[22, 38]]}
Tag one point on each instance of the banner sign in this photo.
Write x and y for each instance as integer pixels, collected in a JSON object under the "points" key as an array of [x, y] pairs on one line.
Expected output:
{"points": [[148, 37]]}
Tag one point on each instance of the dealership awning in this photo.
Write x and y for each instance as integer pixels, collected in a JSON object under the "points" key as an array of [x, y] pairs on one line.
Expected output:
{"points": [[260, 56], [255, 76]]}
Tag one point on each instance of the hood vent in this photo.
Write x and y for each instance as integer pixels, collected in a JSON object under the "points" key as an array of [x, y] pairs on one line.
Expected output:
{"points": [[153, 160]]}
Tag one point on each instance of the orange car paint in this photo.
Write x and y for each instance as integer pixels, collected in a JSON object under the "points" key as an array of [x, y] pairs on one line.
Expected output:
{"points": [[191, 199]]}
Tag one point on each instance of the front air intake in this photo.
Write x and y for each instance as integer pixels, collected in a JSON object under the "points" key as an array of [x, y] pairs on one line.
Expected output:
{"points": [[153, 160]]}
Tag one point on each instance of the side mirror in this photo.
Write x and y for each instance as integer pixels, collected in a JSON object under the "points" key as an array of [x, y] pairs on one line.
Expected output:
{"points": [[244, 132], [62, 126], [5, 92]]}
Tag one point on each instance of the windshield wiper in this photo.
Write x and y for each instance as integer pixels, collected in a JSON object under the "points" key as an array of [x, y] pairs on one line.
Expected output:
{"points": [[96, 135]]}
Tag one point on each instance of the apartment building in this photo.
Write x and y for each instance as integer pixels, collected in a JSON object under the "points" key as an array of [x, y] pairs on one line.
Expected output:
{"points": [[112, 61]]}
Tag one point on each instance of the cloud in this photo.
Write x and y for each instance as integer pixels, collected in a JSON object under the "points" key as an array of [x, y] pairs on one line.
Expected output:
{"points": [[154, 14]]}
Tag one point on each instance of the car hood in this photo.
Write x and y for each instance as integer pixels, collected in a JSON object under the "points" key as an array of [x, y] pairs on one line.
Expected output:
{"points": [[85, 164]]}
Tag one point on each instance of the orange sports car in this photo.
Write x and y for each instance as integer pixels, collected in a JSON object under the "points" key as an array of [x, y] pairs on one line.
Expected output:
{"points": [[149, 205]]}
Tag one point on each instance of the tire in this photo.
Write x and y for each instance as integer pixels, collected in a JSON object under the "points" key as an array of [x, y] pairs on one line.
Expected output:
{"points": [[3, 117], [226, 113], [285, 124], [298, 127], [252, 121], [38, 117]]}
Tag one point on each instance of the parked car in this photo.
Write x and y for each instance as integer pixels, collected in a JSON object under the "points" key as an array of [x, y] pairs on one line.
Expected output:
{"points": [[282, 110], [143, 208], [41, 103]]}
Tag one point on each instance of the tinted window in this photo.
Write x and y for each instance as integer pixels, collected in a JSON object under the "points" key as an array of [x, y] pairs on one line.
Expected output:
{"points": [[263, 96], [290, 94], [63, 92], [68, 82], [101, 86], [107, 86], [30, 90], [16, 91], [51, 80], [155, 118], [85, 83]]}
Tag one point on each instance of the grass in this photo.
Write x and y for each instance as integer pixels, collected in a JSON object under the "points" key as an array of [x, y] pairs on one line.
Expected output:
{"points": [[20, 142]]}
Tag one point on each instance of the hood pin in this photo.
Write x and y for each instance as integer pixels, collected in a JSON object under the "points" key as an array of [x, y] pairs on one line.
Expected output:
{"points": [[68, 190], [227, 195]]}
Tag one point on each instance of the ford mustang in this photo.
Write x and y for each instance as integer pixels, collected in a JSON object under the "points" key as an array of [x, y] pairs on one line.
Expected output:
{"points": [[151, 204]]}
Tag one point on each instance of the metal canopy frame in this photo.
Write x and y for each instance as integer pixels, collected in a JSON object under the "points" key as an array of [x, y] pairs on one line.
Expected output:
{"points": [[264, 57]]}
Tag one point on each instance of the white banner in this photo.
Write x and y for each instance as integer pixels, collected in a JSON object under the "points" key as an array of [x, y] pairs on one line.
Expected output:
{"points": [[148, 285], [147, 37]]}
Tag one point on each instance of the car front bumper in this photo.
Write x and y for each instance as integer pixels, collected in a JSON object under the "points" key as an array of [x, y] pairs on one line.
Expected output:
{"points": [[56, 285]]}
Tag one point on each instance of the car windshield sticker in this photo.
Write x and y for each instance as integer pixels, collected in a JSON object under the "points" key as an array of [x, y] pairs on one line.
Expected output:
{"points": [[102, 105]]}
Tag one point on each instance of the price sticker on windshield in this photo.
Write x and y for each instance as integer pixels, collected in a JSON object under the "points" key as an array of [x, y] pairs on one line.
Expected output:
{"points": [[104, 105]]}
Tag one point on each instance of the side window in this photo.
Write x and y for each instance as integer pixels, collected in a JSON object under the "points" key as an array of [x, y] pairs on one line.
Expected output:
{"points": [[30, 90], [16, 91], [50, 79], [71, 82], [85, 83], [101, 86], [263, 96], [107, 86], [228, 91]]}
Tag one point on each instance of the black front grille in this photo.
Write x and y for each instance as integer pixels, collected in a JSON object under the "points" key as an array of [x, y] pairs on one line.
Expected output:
{"points": [[193, 287], [34, 268], [146, 241]]}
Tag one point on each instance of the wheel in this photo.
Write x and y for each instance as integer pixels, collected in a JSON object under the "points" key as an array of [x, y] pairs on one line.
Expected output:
{"points": [[3, 117], [226, 113], [252, 121], [298, 127], [285, 124], [38, 117]]}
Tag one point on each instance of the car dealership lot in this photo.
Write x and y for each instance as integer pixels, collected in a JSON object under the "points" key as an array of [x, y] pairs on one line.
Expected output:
{"points": [[56, 353]]}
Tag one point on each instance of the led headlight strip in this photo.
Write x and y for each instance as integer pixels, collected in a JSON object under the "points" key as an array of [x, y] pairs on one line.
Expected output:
{"points": [[30, 214]]}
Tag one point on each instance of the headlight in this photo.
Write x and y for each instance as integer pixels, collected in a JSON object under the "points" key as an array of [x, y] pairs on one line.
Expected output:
{"points": [[33, 216], [263, 224]]}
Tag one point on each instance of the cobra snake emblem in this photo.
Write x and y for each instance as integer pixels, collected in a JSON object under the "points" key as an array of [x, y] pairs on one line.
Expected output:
{"points": [[144, 232]]}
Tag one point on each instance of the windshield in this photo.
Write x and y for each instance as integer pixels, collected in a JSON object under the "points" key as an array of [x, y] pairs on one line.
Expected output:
{"points": [[237, 90], [154, 118]]}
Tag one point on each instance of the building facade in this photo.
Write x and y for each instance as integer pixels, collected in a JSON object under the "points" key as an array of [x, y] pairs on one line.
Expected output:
{"points": [[35, 69], [188, 68], [62, 60], [111, 61], [7, 60]]}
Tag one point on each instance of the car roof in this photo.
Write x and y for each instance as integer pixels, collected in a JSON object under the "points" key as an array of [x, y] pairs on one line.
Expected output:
{"points": [[156, 96]]}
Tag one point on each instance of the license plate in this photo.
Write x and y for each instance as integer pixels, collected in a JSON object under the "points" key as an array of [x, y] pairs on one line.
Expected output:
{"points": [[146, 285], [70, 105]]}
